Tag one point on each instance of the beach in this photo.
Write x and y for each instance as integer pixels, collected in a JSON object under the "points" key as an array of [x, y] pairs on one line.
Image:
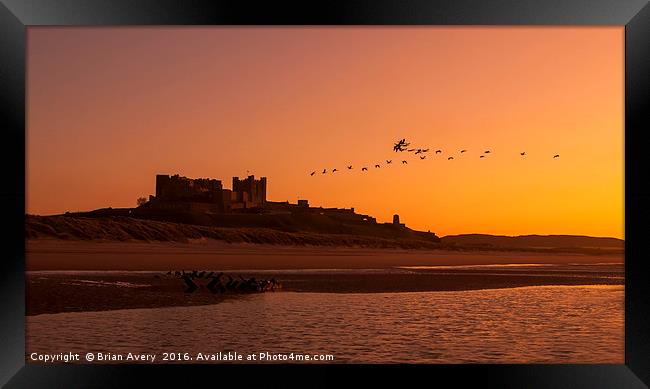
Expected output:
{"points": [[89, 276], [55, 254]]}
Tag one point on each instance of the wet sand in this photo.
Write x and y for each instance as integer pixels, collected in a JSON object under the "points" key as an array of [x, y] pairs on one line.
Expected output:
{"points": [[89, 276], [66, 292], [54, 292]]}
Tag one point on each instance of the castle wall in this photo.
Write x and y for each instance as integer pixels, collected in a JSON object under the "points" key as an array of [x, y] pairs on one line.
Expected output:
{"points": [[186, 206], [227, 200]]}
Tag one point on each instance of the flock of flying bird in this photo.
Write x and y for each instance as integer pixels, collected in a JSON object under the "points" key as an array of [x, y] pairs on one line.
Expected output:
{"points": [[402, 145]]}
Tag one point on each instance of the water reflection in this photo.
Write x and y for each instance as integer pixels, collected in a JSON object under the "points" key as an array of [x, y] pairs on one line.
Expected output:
{"points": [[552, 324]]}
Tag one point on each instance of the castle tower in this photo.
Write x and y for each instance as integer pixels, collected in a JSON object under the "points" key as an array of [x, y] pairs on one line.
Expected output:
{"points": [[396, 219], [256, 189]]}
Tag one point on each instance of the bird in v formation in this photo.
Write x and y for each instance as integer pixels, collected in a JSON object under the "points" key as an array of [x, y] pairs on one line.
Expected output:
{"points": [[401, 146]]}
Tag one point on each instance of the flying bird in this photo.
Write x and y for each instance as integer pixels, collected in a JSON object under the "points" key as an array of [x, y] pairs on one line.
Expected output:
{"points": [[377, 166], [487, 151], [423, 156], [350, 167], [462, 151], [312, 173], [335, 170], [556, 156], [450, 158], [438, 151], [425, 150], [404, 162], [418, 151], [400, 145], [324, 171], [389, 161], [523, 153], [409, 150], [482, 156], [364, 168]]}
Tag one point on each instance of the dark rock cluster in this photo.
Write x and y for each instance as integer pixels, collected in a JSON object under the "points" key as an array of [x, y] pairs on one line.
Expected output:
{"points": [[224, 283]]}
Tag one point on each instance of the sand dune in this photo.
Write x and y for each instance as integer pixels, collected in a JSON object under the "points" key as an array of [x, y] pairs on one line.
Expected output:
{"points": [[132, 229]]}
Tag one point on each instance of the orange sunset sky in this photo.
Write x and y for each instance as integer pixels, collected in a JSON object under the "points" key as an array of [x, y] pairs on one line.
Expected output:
{"points": [[108, 108]]}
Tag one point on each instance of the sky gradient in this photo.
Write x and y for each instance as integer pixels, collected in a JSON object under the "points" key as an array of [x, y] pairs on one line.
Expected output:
{"points": [[109, 108]]}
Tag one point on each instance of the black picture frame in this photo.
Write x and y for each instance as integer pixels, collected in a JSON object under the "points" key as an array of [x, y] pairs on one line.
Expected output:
{"points": [[17, 15]]}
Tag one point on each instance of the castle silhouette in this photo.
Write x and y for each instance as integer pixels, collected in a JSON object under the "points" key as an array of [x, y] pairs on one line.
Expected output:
{"points": [[204, 201], [178, 193]]}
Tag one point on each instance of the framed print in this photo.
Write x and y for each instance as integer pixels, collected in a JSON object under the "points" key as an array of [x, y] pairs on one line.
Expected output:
{"points": [[278, 194]]}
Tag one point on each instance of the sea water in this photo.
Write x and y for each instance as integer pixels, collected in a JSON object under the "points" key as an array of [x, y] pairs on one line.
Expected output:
{"points": [[541, 324]]}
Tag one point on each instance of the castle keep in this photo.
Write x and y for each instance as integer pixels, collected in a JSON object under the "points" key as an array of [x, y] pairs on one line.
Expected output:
{"points": [[254, 189]]}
